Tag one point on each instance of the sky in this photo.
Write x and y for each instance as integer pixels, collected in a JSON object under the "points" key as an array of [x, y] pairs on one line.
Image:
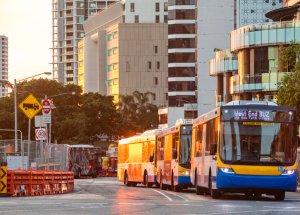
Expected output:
{"points": [[27, 24]]}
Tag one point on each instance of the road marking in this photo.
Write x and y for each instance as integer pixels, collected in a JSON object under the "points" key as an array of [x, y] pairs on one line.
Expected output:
{"points": [[178, 196], [245, 212], [170, 199]]}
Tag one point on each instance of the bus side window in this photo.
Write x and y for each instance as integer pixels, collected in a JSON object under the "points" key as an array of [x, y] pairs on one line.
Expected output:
{"points": [[198, 143]]}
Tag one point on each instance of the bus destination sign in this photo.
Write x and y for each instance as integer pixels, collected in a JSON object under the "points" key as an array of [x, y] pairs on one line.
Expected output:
{"points": [[255, 115]]}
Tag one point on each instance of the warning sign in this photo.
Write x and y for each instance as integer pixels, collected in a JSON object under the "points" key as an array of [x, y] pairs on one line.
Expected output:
{"points": [[30, 106], [3, 179]]}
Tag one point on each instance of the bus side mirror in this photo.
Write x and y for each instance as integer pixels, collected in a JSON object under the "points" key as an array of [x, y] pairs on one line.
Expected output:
{"points": [[213, 149], [174, 154]]}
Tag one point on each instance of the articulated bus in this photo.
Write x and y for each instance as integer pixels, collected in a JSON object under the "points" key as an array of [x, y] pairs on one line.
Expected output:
{"points": [[245, 147], [174, 157], [136, 159]]}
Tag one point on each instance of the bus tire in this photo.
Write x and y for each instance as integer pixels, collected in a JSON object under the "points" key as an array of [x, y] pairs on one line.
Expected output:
{"points": [[279, 195], [126, 182], [175, 188], [214, 193], [199, 190], [161, 185], [146, 182]]}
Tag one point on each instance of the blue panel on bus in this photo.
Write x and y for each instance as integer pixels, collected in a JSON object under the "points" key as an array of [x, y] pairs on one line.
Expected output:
{"points": [[282, 182], [184, 180]]}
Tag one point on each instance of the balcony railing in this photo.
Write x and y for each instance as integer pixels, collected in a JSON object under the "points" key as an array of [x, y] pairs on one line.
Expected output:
{"points": [[265, 35], [257, 82]]}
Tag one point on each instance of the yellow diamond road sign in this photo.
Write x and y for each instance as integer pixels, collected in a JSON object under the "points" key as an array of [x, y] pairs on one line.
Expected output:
{"points": [[30, 106]]}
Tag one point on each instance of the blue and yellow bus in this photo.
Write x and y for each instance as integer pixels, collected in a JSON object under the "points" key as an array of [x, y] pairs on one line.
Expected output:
{"points": [[245, 147], [174, 156]]}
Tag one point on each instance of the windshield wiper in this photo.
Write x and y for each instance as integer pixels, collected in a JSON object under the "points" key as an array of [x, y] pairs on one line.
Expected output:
{"points": [[272, 158]]}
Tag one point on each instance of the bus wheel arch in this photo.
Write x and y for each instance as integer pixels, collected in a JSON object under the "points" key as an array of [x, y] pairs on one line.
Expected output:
{"points": [[214, 193], [126, 182], [146, 180]]}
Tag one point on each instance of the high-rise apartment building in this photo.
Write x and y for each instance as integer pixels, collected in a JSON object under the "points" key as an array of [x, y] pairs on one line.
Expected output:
{"points": [[253, 11], [181, 60], [125, 50], [3, 64], [67, 19]]}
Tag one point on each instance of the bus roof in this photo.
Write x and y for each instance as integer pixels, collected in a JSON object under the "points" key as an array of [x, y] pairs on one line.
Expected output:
{"points": [[246, 102], [172, 129], [146, 136]]}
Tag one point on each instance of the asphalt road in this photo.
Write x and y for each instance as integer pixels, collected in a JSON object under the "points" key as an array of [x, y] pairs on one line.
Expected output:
{"points": [[107, 196]]}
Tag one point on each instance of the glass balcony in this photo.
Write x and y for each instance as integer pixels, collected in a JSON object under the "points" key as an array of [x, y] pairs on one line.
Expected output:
{"points": [[224, 61], [259, 82], [265, 34]]}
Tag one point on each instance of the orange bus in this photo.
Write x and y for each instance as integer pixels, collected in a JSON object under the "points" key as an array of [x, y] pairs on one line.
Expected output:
{"points": [[174, 156], [136, 159]]}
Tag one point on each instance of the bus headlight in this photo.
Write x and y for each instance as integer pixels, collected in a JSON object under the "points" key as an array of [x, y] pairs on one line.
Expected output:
{"points": [[288, 172], [227, 170], [184, 173]]}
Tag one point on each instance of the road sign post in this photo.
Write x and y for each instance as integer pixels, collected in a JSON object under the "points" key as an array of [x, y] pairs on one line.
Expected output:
{"points": [[30, 107]]}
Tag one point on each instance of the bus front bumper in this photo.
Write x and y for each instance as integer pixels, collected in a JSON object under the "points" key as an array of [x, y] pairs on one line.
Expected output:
{"points": [[236, 181]]}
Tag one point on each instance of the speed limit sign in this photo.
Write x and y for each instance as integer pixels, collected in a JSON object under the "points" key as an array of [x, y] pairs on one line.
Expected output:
{"points": [[40, 134]]}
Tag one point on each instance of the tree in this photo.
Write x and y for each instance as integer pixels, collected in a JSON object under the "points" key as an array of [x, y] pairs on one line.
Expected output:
{"points": [[289, 89], [79, 118], [137, 113]]}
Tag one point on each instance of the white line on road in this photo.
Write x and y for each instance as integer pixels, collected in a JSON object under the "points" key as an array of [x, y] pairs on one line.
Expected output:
{"points": [[178, 196], [169, 198]]}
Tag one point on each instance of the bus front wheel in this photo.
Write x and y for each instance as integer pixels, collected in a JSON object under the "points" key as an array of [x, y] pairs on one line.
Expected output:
{"points": [[126, 182], [146, 182], [279, 196], [161, 185], [213, 192]]}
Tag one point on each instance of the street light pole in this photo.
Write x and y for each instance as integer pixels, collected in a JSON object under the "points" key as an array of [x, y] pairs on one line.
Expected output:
{"points": [[15, 106], [16, 117]]}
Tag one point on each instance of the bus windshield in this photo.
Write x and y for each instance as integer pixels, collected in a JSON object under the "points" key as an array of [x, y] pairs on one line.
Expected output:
{"points": [[185, 145], [262, 143]]}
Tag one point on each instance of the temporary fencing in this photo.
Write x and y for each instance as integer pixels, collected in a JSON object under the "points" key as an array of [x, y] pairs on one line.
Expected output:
{"points": [[33, 183]]}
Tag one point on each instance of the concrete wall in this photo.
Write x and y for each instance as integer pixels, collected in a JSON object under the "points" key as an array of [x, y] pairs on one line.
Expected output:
{"points": [[215, 22]]}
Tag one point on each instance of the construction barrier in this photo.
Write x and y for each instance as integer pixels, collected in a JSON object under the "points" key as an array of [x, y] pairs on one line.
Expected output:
{"points": [[34, 183]]}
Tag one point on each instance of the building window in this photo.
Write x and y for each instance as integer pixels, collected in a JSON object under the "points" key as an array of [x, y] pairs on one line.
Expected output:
{"points": [[149, 64], [127, 67], [153, 96], [166, 96], [157, 18], [155, 49], [157, 65], [157, 6], [123, 18], [136, 19], [165, 18], [131, 7], [155, 80], [166, 6]]}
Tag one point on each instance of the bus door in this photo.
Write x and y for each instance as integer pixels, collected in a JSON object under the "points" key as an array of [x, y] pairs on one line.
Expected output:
{"points": [[211, 141]]}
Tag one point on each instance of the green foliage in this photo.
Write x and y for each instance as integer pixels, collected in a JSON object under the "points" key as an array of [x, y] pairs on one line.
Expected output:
{"points": [[289, 90], [80, 118], [137, 113]]}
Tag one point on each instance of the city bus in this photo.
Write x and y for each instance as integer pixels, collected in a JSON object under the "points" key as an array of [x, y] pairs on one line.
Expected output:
{"points": [[136, 159], [174, 156], [245, 147]]}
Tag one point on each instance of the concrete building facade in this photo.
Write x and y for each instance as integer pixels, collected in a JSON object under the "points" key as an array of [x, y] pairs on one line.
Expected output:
{"points": [[3, 65], [67, 19], [125, 50]]}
